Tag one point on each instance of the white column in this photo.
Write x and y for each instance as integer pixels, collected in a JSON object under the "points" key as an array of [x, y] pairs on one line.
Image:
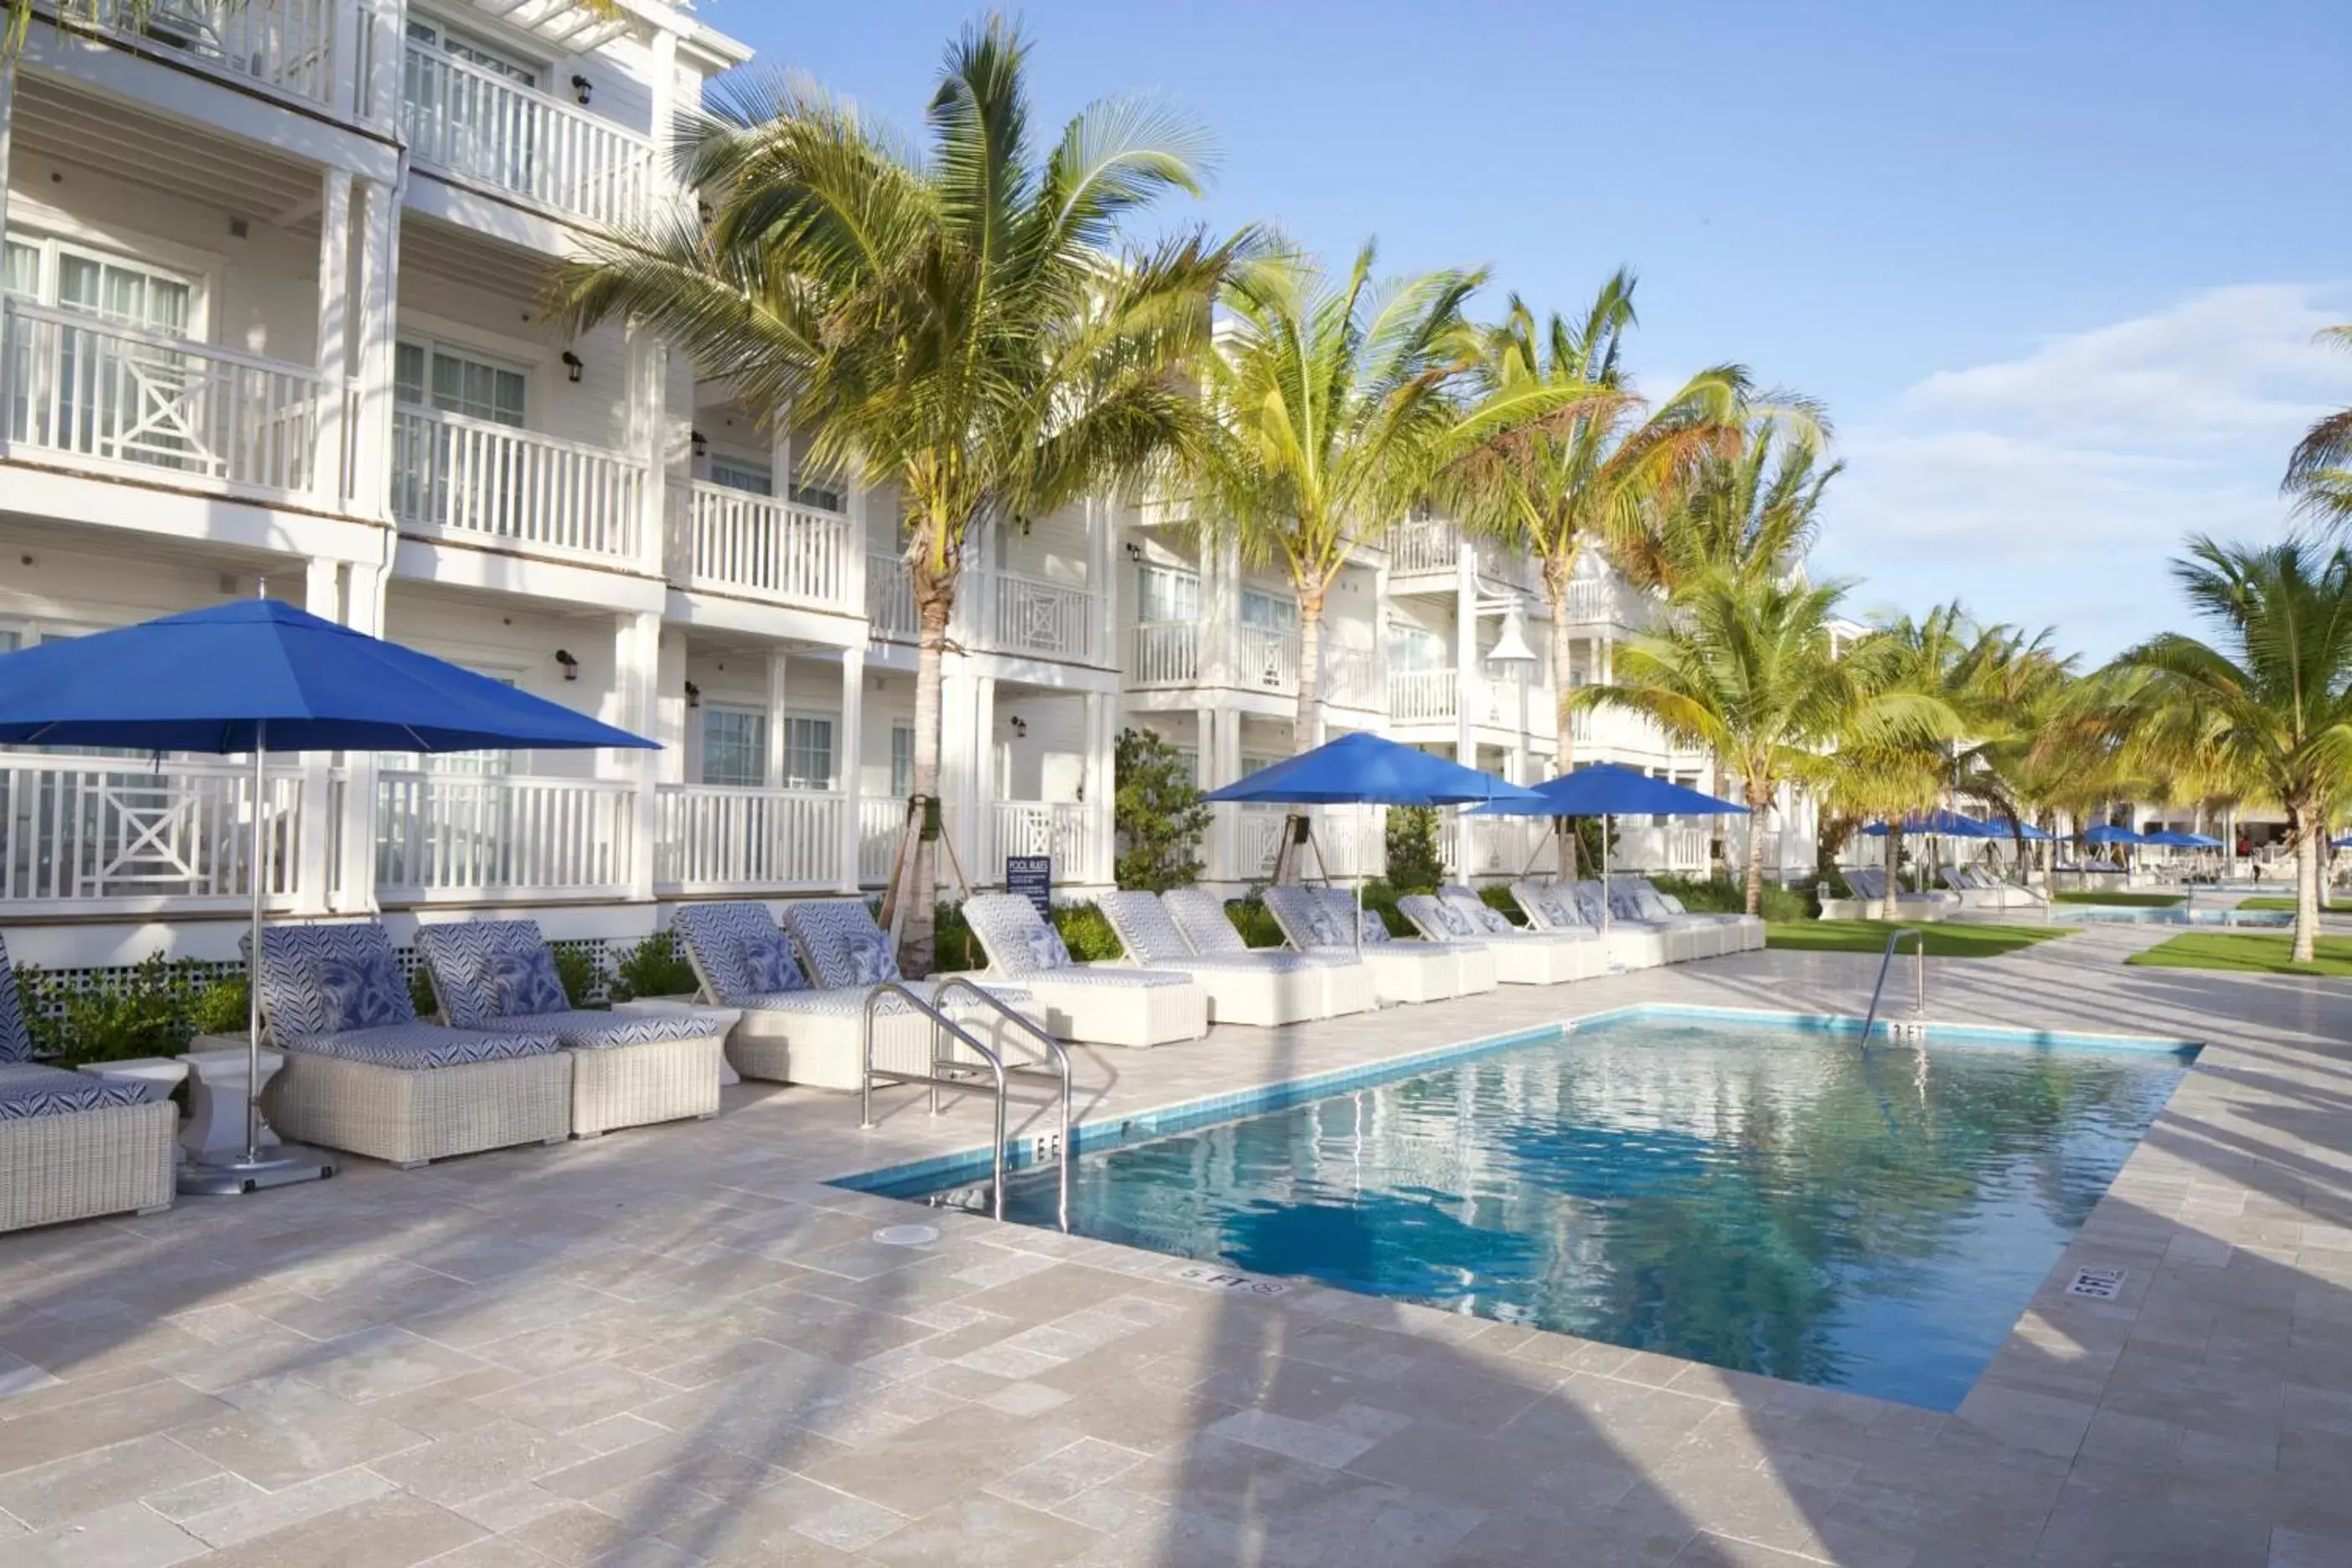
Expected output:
{"points": [[322, 596], [8, 124], [649, 428], [328, 482], [1228, 722], [661, 92], [364, 611], [861, 540], [779, 672], [850, 750], [985, 862], [1380, 637], [668, 711], [1465, 655], [1100, 789], [375, 329], [1102, 549], [1220, 612], [637, 665]]}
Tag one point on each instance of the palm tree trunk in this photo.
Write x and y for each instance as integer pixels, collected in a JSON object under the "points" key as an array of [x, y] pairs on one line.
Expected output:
{"points": [[1306, 726], [1888, 906], [2308, 836], [1563, 654], [934, 607], [1759, 800]]}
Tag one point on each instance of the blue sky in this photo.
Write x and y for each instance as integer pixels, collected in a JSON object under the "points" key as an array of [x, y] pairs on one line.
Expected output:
{"points": [[2053, 269]]}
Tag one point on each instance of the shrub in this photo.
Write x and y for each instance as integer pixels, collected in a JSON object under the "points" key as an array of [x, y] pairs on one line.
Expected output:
{"points": [[421, 995], [221, 1008], [1380, 897], [1158, 813], [1718, 895], [1499, 898], [951, 944], [653, 967], [1086, 932], [1416, 864], [583, 975], [144, 1014], [1251, 919]]}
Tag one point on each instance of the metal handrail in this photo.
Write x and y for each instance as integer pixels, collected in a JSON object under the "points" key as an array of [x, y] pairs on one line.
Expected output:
{"points": [[1919, 1009], [1057, 1052]]}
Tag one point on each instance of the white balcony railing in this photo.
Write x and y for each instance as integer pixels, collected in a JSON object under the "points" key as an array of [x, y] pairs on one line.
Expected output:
{"points": [[890, 598], [1064, 830], [709, 839], [880, 825], [459, 836], [1051, 620], [1352, 678], [80, 833], [1423, 696], [1424, 546], [287, 45], [732, 542], [1163, 653], [1602, 601], [1349, 840], [476, 480], [1498, 847], [1265, 658], [99, 393], [481, 126]]}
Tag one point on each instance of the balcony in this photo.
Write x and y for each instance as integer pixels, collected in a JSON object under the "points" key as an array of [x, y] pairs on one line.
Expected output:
{"points": [[711, 839], [293, 47], [1434, 696], [1433, 549], [1501, 846], [1043, 619], [485, 483], [478, 126], [1349, 840], [136, 404], [727, 540], [1064, 830], [457, 838], [1352, 677], [1605, 602], [91, 834], [1163, 653]]}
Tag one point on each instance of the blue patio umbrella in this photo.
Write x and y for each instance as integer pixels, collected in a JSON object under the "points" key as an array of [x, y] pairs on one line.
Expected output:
{"points": [[2002, 827], [2170, 839], [1609, 789], [1950, 823], [2109, 833], [256, 676]]}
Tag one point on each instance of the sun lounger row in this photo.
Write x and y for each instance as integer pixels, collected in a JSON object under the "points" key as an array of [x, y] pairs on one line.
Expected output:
{"points": [[1868, 883], [1978, 888]]}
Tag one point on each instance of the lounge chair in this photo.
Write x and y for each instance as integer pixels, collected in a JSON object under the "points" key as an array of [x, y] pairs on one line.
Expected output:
{"points": [[1200, 916], [1978, 888], [1741, 933], [1868, 883], [1267, 989], [1401, 971], [1107, 1005], [1521, 957], [1555, 906], [73, 1146], [628, 1069], [1631, 899], [842, 949], [363, 1074], [1680, 943]]}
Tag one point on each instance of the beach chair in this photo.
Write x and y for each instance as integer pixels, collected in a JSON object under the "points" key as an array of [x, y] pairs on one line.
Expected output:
{"points": [[363, 1073], [1741, 933], [1401, 971], [842, 948], [73, 1146], [1555, 906], [628, 1069], [1199, 915], [1632, 898], [1269, 989], [1101, 1003], [1521, 957], [1678, 943]]}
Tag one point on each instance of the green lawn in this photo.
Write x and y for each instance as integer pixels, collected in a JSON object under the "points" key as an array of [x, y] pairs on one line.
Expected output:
{"points": [[2288, 905], [2123, 901], [1949, 940], [2241, 952]]}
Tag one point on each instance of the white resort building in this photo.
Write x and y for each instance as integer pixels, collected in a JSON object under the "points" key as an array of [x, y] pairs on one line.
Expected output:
{"points": [[271, 319]]}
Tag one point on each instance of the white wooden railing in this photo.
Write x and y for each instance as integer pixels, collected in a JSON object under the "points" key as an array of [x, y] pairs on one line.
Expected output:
{"points": [[890, 597], [98, 392], [1064, 830], [709, 839], [732, 542], [1051, 620], [1266, 659], [1349, 840], [1352, 678], [1421, 696], [1497, 847], [1603, 601], [543, 496], [1425, 546], [880, 825], [457, 836], [80, 833], [1163, 653], [288, 45], [481, 126]]}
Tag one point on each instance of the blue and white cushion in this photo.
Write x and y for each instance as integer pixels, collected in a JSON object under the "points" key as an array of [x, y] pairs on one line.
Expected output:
{"points": [[1305, 919], [1589, 904], [586, 1029], [1485, 918], [28, 1090], [1554, 909], [768, 965], [840, 941], [721, 941], [461, 958], [364, 991], [424, 1046], [1146, 929], [323, 979], [527, 984], [1452, 920], [16, 1034], [1016, 939], [1201, 916], [1371, 930]]}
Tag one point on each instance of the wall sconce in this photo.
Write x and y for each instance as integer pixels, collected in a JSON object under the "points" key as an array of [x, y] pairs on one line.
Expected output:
{"points": [[579, 89], [693, 695], [701, 443], [1019, 725], [571, 365], [571, 665], [1134, 550], [706, 212]]}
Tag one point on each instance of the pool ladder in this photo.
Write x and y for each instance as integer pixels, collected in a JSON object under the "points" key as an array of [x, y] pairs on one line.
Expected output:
{"points": [[1919, 1007], [948, 1070]]}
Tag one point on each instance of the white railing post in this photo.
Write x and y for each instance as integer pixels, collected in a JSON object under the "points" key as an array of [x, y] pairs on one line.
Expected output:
{"points": [[328, 479], [851, 753], [355, 891]]}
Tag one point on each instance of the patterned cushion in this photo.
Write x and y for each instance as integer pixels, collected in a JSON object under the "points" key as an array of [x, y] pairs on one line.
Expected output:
{"points": [[15, 1036], [1371, 930], [421, 1046], [849, 1001], [1589, 902], [1648, 906], [297, 964], [586, 1029], [1146, 929], [1113, 975], [768, 966], [1487, 918], [1553, 909], [1673, 905], [716, 937], [843, 944], [28, 1090], [1017, 940], [1451, 921], [1201, 916], [459, 957], [527, 984]]}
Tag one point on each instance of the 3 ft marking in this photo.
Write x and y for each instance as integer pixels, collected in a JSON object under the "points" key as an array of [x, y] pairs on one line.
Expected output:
{"points": [[1208, 1277], [2096, 1284]]}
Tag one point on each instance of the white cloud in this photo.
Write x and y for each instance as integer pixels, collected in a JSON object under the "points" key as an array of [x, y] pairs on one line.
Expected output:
{"points": [[2052, 489]]}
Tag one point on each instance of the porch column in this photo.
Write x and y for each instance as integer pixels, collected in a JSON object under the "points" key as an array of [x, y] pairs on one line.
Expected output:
{"points": [[364, 611], [850, 753], [1465, 654], [668, 708], [649, 437], [1228, 722], [771, 771], [1204, 774], [374, 322], [328, 480], [1221, 575], [1102, 547], [1100, 788], [322, 596], [985, 862], [637, 665]]}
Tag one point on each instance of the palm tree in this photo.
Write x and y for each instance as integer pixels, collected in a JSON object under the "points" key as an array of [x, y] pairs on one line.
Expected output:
{"points": [[1330, 405], [2270, 702], [1752, 512], [1589, 466], [2319, 472], [964, 326]]}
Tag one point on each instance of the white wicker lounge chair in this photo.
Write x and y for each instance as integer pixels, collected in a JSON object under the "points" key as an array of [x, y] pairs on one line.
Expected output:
{"points": [[1201, 916], [1978, 889], [842, 949], [1741, 933], [1267, 989], [1632, 898], [1555, 906], [1401, 971], [73, 1146], [1868, 883], [363, 1074], [628, 1069], [1100, 1004], [1521, 957], [1679, 944]]}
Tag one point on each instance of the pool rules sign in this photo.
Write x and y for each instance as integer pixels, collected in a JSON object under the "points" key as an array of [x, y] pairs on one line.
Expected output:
{"points": [[1032, 876]]}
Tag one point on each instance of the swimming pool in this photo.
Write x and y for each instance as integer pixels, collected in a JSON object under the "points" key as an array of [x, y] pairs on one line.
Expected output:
{"points": [[2175, 916], [1754, 1191]]}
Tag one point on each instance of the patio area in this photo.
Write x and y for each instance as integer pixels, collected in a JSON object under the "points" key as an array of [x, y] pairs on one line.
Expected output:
{"points": [[674, 1345]]}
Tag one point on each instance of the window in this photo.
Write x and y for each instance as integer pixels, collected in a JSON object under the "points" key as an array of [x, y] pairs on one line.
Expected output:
{"points": [[749, 478], [1251, 764], [734, 746], [1268, 611], [1162, 594], [1414, 650], [902, 761], [429, 375], [807, 491], [472, 51], [808, 753]]}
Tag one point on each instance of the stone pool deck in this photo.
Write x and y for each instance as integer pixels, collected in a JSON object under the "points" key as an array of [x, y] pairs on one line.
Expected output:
{"points": [[675, 1346]]}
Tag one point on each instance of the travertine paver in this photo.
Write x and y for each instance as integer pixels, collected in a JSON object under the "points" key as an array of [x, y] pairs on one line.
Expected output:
{"points": [[677, 1346]]}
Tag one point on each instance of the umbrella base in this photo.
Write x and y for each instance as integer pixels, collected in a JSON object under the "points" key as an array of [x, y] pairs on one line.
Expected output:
{"points": [[232, 1175]]}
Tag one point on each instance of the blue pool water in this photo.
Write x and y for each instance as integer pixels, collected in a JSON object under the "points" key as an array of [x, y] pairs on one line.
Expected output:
{"points": [[2175, 916], [1761, 1196]]}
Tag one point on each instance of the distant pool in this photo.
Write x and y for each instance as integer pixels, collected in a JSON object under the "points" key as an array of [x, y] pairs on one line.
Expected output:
{"points": [[2176, 916], [1749, 1192]]}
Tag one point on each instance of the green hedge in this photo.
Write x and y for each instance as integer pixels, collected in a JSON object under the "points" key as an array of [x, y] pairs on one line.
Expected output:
{"points": [[1718, 895]]}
